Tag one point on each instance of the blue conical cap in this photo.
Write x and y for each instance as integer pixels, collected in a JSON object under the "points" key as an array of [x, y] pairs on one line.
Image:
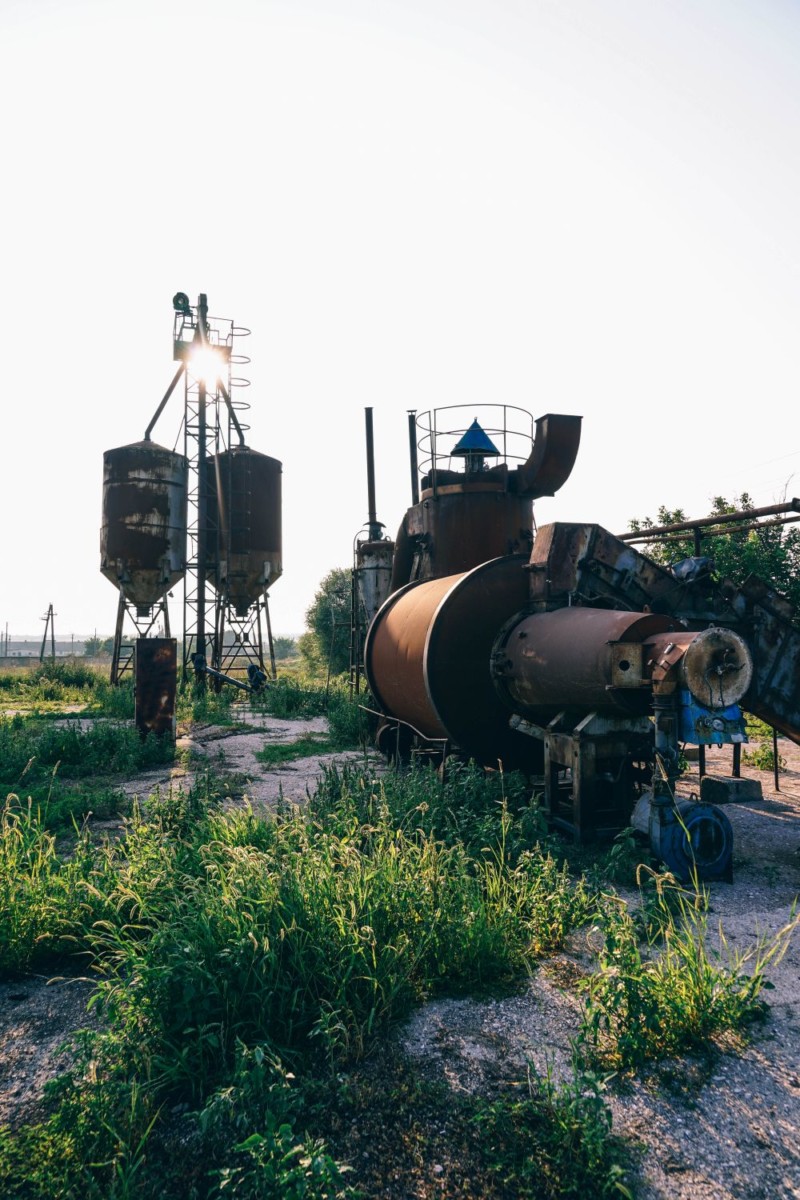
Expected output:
{"points": [[475, 441]]}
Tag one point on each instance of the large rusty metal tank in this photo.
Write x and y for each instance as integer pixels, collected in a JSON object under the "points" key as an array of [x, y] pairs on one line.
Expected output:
{"points": [[143, 535], [427, 657], [485, 508], [250, 557]]}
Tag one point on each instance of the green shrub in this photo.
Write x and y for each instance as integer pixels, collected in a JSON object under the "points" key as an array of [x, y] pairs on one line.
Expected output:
{"points": [[288, 697]]}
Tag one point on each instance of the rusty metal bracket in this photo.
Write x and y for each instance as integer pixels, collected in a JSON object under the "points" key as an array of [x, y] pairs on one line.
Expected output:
{"points": [[663, 667]]}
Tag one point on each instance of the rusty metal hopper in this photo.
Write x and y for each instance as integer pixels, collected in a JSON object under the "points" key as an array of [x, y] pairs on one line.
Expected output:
{"points": [[143, 535], [249, 524]]}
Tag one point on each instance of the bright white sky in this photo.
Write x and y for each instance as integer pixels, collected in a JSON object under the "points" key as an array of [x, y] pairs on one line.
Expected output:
{"points": [[571, 205]]}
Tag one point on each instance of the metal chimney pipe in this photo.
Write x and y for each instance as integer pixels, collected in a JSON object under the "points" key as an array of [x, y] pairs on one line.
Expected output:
{"points": [[412, 450], [374, 527]]}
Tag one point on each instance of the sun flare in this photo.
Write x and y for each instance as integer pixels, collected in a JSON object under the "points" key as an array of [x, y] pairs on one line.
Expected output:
{"points": [[205, 365]]}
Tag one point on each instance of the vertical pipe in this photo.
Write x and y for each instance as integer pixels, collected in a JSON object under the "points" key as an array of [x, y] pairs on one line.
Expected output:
{"points": [[202, 503], [775, 762], [412, 450], [433, 455], [355, 632], [737, 760], [115, 653], [202, 532], [272, 663], [372, 519], [701, 761]]}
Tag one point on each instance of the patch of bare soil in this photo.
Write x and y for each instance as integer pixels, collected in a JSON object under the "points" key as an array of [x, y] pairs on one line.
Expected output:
{"points": [[37, 1016]]}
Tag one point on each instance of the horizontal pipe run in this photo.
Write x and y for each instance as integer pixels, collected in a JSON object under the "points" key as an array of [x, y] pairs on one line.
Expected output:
{"points": [[789, 506], [714, 532]]}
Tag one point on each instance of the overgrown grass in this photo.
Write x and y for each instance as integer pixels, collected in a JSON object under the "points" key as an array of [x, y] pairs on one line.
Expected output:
{"points": [[69, 772], [305, 936], [468, 807], [48, 689], [51, 681], [290, 697], [678, 991], [275, 753], [48, 903], [246, 964]]}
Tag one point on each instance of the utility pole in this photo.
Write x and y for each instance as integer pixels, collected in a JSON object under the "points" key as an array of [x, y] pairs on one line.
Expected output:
{"points": [[49, 624]]}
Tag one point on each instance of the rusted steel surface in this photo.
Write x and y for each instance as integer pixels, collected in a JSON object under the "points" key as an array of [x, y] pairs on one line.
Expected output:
{"points": [[555, 449], [548, 661], [374, 573], [459, 528], [143, 535], [427, 659], [774, 694], [604, 661], [585, 564], [249, 528], [394, 655], [717, 667], [155, 685]]}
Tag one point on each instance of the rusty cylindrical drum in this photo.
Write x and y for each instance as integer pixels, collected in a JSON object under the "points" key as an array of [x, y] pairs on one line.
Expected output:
{"points": [[143, 535], [599, 660], [427, 660]]}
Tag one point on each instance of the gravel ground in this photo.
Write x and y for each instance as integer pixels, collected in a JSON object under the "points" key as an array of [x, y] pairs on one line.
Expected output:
{"points": [[232, 752], [722, 1126]]}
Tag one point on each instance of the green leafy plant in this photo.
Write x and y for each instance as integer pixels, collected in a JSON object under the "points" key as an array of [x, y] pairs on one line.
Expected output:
{"points": [[553, 1142], [652, 1003], [762, 755], [771, 551]]}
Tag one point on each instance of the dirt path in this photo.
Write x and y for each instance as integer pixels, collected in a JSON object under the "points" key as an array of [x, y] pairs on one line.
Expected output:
{"points": [[230, 753]]}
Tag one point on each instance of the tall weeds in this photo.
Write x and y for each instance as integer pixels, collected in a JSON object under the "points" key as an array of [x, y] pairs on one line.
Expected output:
{"points": [[685, 985], [48, 904]]}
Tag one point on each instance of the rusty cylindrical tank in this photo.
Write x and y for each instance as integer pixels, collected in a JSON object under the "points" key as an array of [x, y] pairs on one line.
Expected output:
{"points": [[599, 660], [427, 659], [374, 574], [143, 535], [461, 526], [249, 557]]}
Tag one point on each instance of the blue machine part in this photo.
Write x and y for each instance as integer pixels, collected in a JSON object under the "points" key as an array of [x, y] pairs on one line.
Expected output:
{"points": [[703, 726], [692, 839]]}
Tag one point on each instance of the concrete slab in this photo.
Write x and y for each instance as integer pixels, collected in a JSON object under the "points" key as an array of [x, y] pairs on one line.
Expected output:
{"points": [[725, 789]]}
